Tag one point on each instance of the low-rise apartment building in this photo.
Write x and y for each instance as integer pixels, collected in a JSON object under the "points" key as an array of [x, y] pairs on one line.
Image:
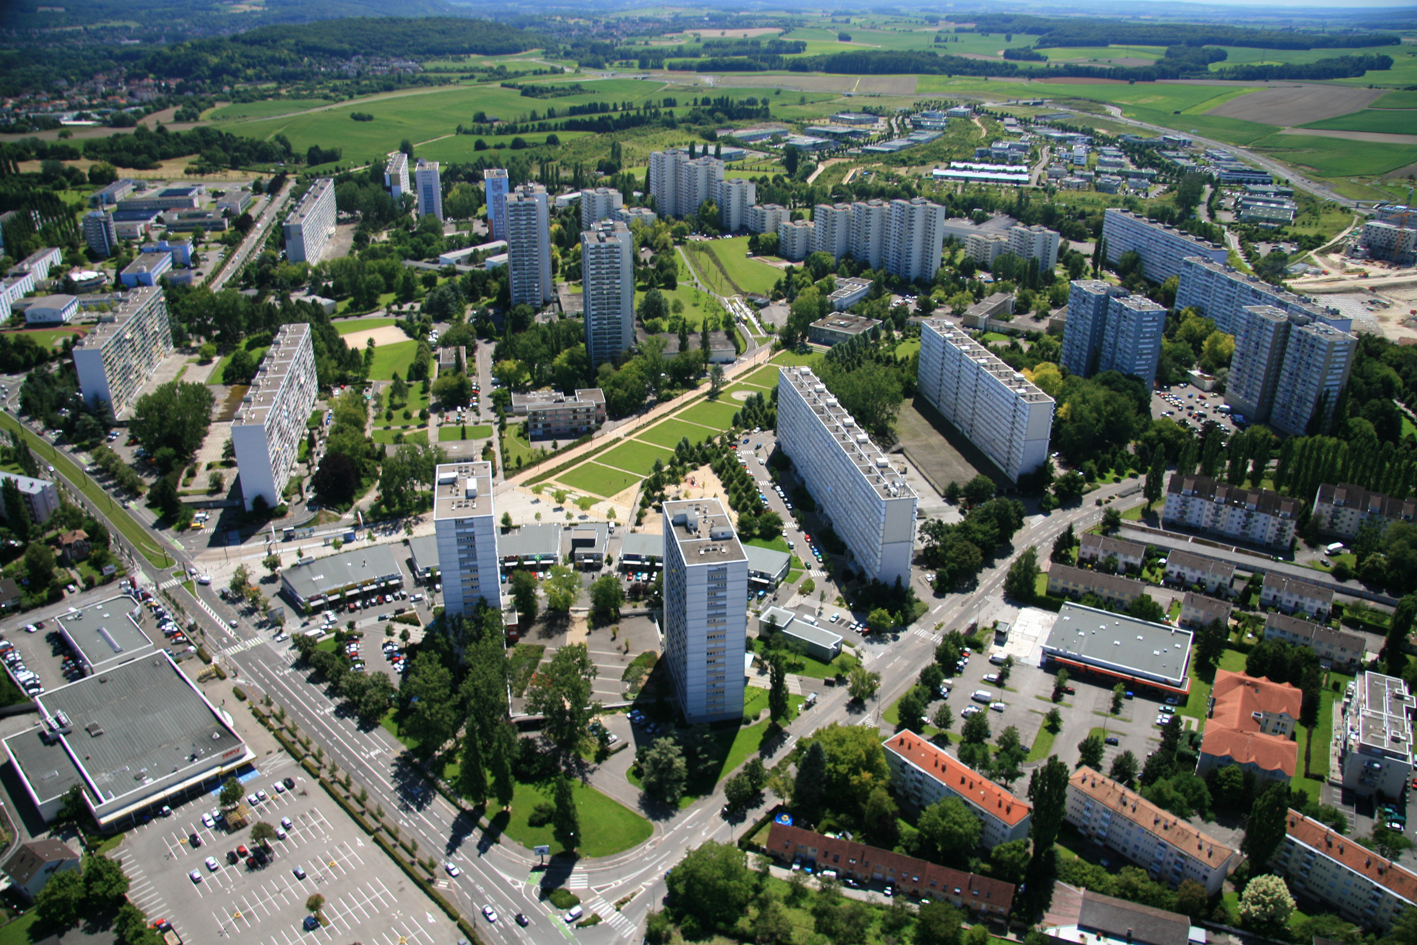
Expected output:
{"points": [[1326, 867], [1251, 722], [40, 496], [1336, 649], [1343, 509], [1293, 596], [1098, 549], [1064, 580], [983, 896], [1192, 570], [1256, 516], [1167, 847], [834, 329], [1199, 611], [552, 414], [923, 775], [1375, 753]]}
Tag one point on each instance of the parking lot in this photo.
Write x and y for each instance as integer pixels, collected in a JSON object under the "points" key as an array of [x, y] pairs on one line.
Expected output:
{"points": [[323, 851], [1192, 408]]}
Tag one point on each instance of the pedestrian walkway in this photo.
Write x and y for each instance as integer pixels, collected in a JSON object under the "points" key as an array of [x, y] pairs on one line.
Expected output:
{"points": [[934, 638], [242, 647], [578, 881], [609, 915]]}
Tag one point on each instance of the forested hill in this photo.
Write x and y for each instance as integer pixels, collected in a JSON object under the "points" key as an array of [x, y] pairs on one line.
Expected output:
{"points": [[1097, 32], [118, 20], [392, 37]]}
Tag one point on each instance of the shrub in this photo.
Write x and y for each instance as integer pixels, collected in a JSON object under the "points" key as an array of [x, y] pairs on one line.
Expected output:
{"points": [[563, 898]]}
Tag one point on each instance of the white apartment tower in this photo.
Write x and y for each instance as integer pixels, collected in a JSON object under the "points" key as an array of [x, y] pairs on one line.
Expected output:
{"points": [[599, 204], [1007, 417], [1035, 242], [529, 246], [705, 623], [396, 174], [795, 238], [1261, 336], [915, 238], [497, 185], [1220, 291], [1161, 247], [833, 223], [99, 234], [117, 358], [1088, 300], [465, 528], [868, 503], [608, 275], [312, 223], [767, 217], [270, 424], [1317, 362], [870, 223], [679, 184], [735, 196], [430, 189], [1132, 342]]}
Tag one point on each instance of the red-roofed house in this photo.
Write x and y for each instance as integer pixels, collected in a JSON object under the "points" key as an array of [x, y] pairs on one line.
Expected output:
{"points": [[925, 775], [1251, 724], [1330, 868], [981, 895]]}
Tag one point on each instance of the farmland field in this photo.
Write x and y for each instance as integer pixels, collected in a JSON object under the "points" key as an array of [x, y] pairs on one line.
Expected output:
{"points": [[1339, 157], [249, 111], [635, 457], [1295, 104], [1383, 120], [1070, 53], [598, 480], [670, 432], [1396, 100]]}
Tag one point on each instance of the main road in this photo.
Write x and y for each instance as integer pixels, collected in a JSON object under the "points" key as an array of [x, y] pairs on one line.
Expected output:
{"points": [[254, 239]]}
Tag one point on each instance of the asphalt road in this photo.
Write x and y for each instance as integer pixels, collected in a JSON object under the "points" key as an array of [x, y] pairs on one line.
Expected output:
{"points": [[256, 238]]}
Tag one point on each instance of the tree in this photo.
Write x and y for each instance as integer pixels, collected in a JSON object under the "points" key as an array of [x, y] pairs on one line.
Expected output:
{"points": [[1145, 607], [336, 480], [606, 596], [500, 757], [1390, 843], [1060, 683], [757, 773], [1111, 521], [58, 903], [951, 828], [938, 924], [262, 832], [1091, 749], [778, 703], [104, 880], [772, 925], [911, 709], [716, 379], [1265, 830], [1048, 790], [1009, 861], [566, 822], [738, 792], [943, 718], [979, 490], [1191, 899], [271, 563], [1155, 474], [1119, 692], [230, 793], [175, 415], [663, 770], [1022, 579], [472, 770], [562, 588], [862, 684], [561, 692], [240, 579], [39, 566], [314, 904], [809, 789], [880, 620], [1125, 768], [713, 884], [524, 594], [433, 716], [1265, 905]]}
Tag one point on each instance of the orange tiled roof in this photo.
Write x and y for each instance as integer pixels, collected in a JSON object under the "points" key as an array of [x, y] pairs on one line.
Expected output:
{"points": [[1234, 732], [1359, 859], [963, 780], [1148, 816]]}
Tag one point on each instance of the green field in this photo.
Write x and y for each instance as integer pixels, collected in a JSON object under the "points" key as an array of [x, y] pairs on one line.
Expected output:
{"points": [[607, 825], [750, 275], [719, 416], [363, 324], [1384, 120], [670, 432], [598, 480], [763, 377], [453, 432], [46, 337], [410, 435], [248, 111], [1396, 100], [694, 301], [1338, 157], [1070, 54], [390, 358], [257, 352], [635, 456]]}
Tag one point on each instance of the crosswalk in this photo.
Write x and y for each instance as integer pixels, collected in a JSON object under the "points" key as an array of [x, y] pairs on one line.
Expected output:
{"points": [[609, 915], [934, 638], [242, 647], [578, 881]]}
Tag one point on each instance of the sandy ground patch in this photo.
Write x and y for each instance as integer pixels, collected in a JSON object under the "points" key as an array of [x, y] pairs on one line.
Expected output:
{"points": [[578, 631], [742, 395], [1377, 137], [388, 335], [1298, 104]]}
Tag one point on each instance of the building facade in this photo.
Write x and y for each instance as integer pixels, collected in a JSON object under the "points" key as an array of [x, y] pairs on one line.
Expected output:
{"points": [[117, 358], [1161, 247], [429, 184], [833, 229], [1220, 292], [1294, 596], [271, 422], [767, 217], [1192, 570], [1167, 847], [867, 502], [1344, 509], [1089, 301], [1131, 343], [1035, 242], [915, 237], [396, 175], [1326, 867], [1099, 549], [1064, 580], [311, 224], [1317, 363], [498, 185], [465, 524], [795, 239], [99, 233], [680, 183], [552, 414], [608, 280], [1199, 612], [40, 496], [1000, 411], [924, 775], [1336, 649], [736, 195], [705, 623], [1256, 516], [529, 246], [599, 203], [834, 329]]}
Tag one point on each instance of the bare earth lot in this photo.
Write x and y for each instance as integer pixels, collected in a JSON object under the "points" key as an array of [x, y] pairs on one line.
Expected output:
{"points": [[1297, 104], [388, 335], [1377, 137], [941, 458], [802, 82]]}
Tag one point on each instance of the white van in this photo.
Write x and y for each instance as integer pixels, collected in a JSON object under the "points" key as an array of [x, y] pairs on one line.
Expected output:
{"points": [[574, 914], [1334, 548], [997, 659], [982, 695]]}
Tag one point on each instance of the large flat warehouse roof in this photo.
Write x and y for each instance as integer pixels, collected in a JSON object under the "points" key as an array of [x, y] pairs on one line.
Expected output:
{"points": [[1121, 645]]}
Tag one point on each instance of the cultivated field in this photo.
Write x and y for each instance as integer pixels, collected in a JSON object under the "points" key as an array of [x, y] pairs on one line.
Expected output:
{"points": [[816, 82], [1396, 100], [1288, 106], [1395, 124], [246, 111]]}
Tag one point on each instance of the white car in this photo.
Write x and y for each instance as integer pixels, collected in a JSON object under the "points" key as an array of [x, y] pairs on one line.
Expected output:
{"points": [[211, 864], [195, 876], [997, 706], [452, 869], [252, 799], [207, 821], [489, 913], [204, 579]]}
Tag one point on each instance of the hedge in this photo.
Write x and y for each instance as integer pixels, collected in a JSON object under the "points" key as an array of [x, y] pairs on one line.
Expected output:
{"points": [[239, 693]]}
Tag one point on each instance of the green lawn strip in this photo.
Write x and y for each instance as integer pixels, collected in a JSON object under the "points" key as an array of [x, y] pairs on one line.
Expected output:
{"points": [[521, 663], [18, 931], [719, 416], [892, 718], [135, 533], [814, 668], [598, 480], [763, 377], [515, 446], [792, 576], [410, 435], [607, 826], [777, 544], [1042, 745], [747, 390], [668, 433], [363, 324], [751, 275], [257, 352], [452, 431], [636, 457], [391, 358], [795, 359]]}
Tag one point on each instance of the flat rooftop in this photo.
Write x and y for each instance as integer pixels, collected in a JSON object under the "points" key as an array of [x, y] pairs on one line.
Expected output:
{"points": [[1382, 722], [847, 324], [462, 490], [1121, 643], [107, 632], [134, 302], [702, 529], [358, 567], [531, 543], [132, 724], [766, 560], [148, 261], [307, 202], [264, 397]]}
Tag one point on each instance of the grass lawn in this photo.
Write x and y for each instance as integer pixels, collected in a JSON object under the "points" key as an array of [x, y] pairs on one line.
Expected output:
{"points": [[390, 358], [269, 109], [636, 457], [1408, 426], [718, 416], [750, 275], [607, 827], [257, 352], [598, 480], [18, 931], [792, 576], [1042, 745], [813, 668], [726, 396], [363, 324], [906, 348], [516, 447], [892, 718], [410, 435], [452, 431], [765, 377], [777, 544], [670, 432], [46, 337], [795, 359]]}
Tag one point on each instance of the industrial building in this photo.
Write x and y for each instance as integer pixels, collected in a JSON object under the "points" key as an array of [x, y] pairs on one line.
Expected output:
{"points": [[1116, 648]]}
